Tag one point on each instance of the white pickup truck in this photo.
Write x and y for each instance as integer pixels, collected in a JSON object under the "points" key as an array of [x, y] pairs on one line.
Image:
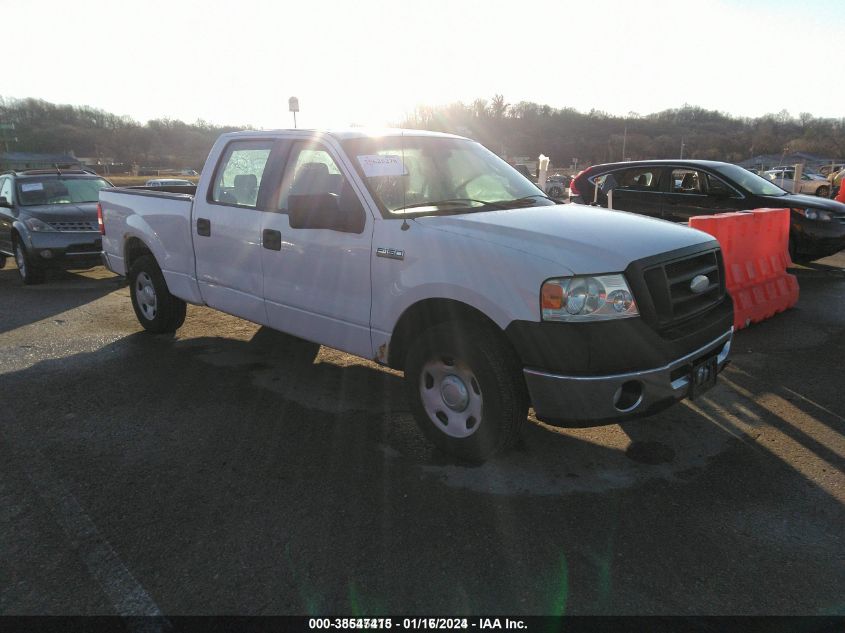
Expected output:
{"points": [[427, 253]]}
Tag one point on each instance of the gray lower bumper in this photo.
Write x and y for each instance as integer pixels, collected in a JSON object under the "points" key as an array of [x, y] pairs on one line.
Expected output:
{"points": [[600, 399], [50, 246]]}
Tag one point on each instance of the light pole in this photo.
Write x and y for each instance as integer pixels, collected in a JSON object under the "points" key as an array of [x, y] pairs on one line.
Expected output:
{"points": [[293, 106]]}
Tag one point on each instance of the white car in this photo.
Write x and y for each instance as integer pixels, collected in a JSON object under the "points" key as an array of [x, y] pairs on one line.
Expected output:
{"points": [[812, 184], [168, 182], [427, 253]]}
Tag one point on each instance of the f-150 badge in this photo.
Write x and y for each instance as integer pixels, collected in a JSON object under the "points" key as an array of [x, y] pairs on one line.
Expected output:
{"points": [[390, 253]]}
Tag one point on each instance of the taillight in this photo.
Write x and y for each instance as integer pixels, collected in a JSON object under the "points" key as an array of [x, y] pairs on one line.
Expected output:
{"points": [[100, 222], [573, 189]]}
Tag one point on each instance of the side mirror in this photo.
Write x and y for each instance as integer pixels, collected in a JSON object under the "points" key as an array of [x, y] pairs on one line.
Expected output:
{"points": [[5, 203], [324, 211]]}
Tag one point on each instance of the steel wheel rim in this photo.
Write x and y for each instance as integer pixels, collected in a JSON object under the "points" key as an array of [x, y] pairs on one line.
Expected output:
{"points": [[451, 396], [145, 295], [20, 260]]}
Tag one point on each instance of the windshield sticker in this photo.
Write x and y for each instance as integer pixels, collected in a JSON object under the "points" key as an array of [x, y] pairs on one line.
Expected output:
{"points": [[382, 165], [32, 186]]}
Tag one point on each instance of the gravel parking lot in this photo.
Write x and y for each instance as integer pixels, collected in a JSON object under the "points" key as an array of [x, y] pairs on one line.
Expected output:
{"points": [[211, 472]]}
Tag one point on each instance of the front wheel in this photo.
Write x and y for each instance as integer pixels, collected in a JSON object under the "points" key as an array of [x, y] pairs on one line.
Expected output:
{"points": [[466, 390], [30, 273], [555, 192], [157, 310]]}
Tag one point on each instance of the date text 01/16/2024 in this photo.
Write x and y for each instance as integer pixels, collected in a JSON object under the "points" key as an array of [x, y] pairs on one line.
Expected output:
{"points": [[415, 623]]}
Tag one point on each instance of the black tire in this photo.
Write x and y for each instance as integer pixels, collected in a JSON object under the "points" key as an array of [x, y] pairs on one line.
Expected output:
{"points": [[555, 192], [794, 255], [30, 272], [493, 386], [157, 310], [2, 261], [823, 192]]}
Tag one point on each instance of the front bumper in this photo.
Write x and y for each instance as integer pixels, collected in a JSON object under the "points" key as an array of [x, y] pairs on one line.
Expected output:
{"points": [[817, 238], [65, 247], [573, 400]]}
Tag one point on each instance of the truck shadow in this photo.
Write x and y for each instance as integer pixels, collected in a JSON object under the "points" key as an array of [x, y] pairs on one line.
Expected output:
{"points": [[62, 292], [309, 487]]}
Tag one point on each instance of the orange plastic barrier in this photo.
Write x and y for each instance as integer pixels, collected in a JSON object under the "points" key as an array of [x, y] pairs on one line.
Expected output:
{"points": [[755, 248]]}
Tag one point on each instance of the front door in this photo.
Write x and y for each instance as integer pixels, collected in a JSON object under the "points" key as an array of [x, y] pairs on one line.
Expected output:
{"points": [[687, 196], [6, 217], [316, 246], [227, 231]]}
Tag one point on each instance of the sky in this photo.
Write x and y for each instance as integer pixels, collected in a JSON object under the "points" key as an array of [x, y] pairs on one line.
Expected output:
{"points": [[364, 62]]}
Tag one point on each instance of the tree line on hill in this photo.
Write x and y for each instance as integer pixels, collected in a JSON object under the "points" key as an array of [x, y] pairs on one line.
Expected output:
{"points": [[564, 134], [43, 127], [520, 129]]}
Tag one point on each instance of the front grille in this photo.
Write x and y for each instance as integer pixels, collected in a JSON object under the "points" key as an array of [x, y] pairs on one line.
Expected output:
{"points": [[75, 226], [669, 286]]}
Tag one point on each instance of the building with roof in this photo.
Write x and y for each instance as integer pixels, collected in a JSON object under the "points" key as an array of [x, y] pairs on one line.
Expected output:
{"points": [[768, 161], [29, 160]]}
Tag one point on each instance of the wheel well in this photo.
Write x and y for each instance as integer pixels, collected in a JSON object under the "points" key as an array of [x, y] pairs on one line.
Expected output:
{"points": [[427, 313], [132, 250]]}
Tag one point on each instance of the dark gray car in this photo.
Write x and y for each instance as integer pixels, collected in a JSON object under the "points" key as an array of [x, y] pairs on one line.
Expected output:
{"points": [[49, 218]]}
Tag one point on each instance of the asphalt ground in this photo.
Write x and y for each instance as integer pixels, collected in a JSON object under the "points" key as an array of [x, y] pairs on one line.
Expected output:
{"points": [[212, 472]]}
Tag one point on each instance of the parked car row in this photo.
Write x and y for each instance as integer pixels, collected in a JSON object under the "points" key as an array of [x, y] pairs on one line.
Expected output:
{"points": [[810, 183]]}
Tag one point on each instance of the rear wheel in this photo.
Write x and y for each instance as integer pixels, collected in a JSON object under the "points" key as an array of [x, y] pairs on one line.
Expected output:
{"points": [[823, 192], [31, 274], [2, 260], [555, 192], [466, 390], [157, 310]]}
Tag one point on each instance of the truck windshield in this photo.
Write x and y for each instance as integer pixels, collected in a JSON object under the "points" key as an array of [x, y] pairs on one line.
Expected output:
{"points": [[419, 175], [59, 190]]}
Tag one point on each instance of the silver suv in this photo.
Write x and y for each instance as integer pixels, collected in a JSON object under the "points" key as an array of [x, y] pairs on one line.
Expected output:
{"points": [[49, 218]]}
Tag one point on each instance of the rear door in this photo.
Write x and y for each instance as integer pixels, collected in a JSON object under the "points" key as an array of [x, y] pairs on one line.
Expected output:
{"points": [[316, 250], [636, 190], [227, 230]]}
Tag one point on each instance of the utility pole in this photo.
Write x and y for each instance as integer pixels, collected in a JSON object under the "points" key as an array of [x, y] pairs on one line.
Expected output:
{"points": [[624, 140], [682, 147]]}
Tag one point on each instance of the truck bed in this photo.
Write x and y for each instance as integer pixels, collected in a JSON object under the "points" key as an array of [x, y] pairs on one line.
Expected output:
{"points": [[161, 216]]}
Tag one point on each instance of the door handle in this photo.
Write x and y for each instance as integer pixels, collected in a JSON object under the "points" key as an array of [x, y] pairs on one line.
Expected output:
{"points": [[271, 240], [203, 227]]}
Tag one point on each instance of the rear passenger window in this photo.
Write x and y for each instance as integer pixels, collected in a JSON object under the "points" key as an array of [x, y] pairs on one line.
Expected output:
{"points": [[239, 173], [642, 179], [687, 181]]}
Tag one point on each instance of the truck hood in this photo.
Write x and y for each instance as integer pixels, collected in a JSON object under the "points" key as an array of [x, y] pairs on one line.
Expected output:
{"points": [[586, 240]]}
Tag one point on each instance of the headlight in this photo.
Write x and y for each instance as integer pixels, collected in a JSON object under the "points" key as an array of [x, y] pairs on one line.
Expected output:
{"points": [[35, 224], [815, 214], [587, 298]]}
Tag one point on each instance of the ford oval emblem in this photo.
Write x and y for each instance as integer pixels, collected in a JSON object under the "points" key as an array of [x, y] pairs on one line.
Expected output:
{"points": [[699, 284]]}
